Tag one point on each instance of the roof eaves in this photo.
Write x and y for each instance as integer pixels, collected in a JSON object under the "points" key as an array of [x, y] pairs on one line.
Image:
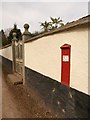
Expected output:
{"points": [[81, 21]]}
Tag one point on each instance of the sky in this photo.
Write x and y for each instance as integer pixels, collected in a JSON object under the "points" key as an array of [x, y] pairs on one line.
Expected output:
{"points": [[26, 11]]}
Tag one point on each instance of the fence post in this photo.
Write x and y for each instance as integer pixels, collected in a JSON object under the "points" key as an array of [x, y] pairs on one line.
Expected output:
{"points": [[26, 35], [13, 51]]}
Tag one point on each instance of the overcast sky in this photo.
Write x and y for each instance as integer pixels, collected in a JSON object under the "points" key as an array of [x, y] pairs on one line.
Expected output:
{"points": [[35, 12]]}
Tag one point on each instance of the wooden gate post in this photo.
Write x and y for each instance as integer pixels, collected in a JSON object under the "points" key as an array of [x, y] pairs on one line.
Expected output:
{"points": [[13, 52]]}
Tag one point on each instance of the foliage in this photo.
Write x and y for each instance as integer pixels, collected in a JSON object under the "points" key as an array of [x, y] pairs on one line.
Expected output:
{"points": [[7, 31], [34, 34], [17, 31], [3, 39], [46, 25], [55, 23]]}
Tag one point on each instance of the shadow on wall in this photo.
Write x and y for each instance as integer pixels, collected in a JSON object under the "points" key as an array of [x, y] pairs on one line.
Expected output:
{"points": [[7, 63]]}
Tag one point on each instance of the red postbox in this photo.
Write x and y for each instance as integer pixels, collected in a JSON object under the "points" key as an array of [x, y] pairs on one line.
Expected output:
{"points": [[65, 64]]}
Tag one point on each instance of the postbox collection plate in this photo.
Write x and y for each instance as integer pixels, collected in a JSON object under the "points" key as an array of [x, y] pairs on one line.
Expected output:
{"points": [[65, 58]]}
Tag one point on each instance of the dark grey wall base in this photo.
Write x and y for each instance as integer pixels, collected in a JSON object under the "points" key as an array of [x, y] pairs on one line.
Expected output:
{"points": [[7, 63], [65, 101]]}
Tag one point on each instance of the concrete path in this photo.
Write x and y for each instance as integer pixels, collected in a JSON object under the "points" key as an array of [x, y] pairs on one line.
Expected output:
{"points": [[0, 92], [17, 103], [10, 108]]}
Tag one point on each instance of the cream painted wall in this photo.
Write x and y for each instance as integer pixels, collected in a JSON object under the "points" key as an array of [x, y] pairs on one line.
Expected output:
{"points": [[89, 60], [44, 56], [6, 52], [1, 52]]}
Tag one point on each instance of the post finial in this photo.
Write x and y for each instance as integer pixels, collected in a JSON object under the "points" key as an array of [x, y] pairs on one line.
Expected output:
{"points": [[26, 26], [26, 33], [14, 36]]}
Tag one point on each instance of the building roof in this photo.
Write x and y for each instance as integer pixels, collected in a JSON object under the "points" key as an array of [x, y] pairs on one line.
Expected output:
{"points": [[79, 22]]}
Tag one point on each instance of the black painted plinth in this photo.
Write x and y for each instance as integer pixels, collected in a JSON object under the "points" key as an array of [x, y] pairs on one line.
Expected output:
{"points": [[64, 101], [7, 63]]}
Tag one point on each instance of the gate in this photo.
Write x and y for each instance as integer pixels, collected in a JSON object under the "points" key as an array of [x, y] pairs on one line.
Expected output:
{"points": [[19, 57], [17, 53]]}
